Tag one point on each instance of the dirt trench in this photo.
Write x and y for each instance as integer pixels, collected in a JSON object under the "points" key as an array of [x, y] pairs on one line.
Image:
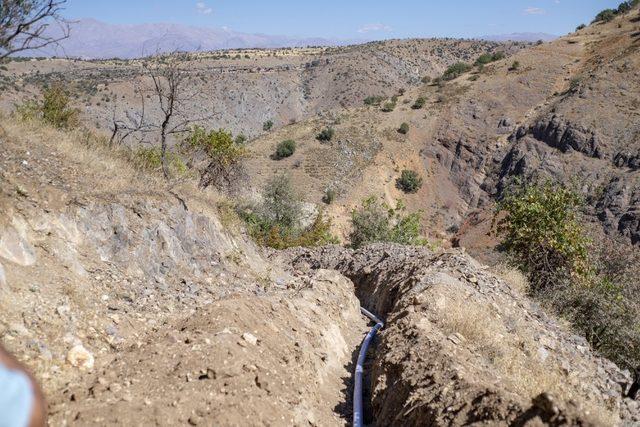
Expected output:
{"points": [[462, 346]]}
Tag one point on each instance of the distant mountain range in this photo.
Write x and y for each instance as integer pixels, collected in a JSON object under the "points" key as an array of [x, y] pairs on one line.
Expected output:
{"points": [[93, 39]]}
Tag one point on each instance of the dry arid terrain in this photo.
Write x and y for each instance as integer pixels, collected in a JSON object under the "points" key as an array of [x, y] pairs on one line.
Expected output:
{"points": [[140, 300]]}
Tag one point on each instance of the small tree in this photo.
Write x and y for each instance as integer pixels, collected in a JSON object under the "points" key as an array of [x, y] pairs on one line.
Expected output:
{"points": [[409, 181], [285, 149], [419, 103], [389, 107], [281, 205], [266, 126], [326, 134], [56, 110], [456, 70], [542, 234], [223, 156], [376, 222], [404, 128]]}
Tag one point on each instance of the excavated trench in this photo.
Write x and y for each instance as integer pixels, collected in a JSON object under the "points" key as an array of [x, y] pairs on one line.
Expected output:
{"points": [[461, 346]]}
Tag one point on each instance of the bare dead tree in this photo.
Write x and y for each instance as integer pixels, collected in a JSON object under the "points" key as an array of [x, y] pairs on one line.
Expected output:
{"points": [[24, 25], [170, 88]]}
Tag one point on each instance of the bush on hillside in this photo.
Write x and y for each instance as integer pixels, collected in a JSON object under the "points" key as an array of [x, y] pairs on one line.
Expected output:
{"points": [[223, 156], [374, 100], [389, 107], [409, 181], [419, 103], [266, 126], [285, 149], [151, 159], [591, 283], [581, 27], [404, 128], [276, 222], [375, 222], [456, 70], [326, 134], [605, 16], [54, 109], [329, 196], [487, 58], [515, 66]]}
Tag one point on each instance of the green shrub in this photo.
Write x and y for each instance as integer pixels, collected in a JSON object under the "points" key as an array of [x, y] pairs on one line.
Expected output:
{"points": [[581, 27], [266, 126], [276, 221], [151, 159], [56, 110], [389, 107], [425, 79], [326, 134], [456, 70], [409, 181], [419, 103], [487, 58], [514, 66], [404, 128], [223, 155], [240, 139], [285, 149], [605, 16], [592, 283], [374, 100], [329, 196], [542, 234], [376, 222]]}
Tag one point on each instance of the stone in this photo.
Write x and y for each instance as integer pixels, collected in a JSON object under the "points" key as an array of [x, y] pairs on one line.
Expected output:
{"points": [[251, 339], [14, 247], [80, 357]]}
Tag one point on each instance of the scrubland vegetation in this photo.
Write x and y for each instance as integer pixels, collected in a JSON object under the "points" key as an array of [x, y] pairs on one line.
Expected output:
{"points": [[591, 281]]}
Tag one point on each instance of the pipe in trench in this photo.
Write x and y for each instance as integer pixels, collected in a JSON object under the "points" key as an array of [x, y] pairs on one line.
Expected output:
{"points": [[358, 413]]}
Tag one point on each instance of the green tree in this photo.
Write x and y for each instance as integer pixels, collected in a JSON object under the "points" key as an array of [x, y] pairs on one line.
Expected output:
{"points": [[404, 128], [285, 149], [542, 233], [375, 222], [223, 156], [456, 70], [55, 108], [326, 134]]}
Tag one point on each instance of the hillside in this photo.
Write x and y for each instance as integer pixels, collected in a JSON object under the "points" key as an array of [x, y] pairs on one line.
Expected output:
{"points": [[242, 89], [142, 296], [132, 306], [569, 111]]}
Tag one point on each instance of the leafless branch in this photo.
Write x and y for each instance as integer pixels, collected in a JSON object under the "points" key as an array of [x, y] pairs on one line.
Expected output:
{"points": [[24, 25]]}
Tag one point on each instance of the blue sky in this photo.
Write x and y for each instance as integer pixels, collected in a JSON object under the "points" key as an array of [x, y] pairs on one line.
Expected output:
{"points": [[352, 19]]}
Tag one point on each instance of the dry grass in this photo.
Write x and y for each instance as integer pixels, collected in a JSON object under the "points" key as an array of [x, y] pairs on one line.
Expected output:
{"points": [[514, 356], [513, 277]]}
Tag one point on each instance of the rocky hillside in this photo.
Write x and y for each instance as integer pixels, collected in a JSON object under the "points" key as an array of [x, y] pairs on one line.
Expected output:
{"points": [[138, 301], [567, 110], [243, 89]]}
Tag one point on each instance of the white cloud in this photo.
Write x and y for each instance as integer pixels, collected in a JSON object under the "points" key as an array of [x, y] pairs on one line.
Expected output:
{"points": [[374, 27], [534, 11], [203, 9]]}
